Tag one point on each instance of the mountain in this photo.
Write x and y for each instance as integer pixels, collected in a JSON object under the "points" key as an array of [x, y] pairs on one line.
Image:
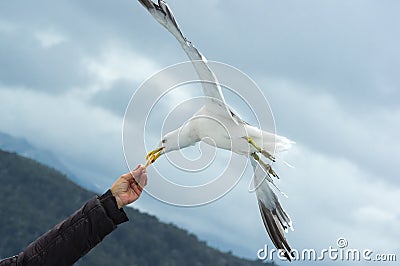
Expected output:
{"points": [[24, 148], [35, 197]]}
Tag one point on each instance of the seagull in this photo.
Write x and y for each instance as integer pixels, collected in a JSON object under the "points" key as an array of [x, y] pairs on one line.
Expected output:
{"points": [[235, 134]]}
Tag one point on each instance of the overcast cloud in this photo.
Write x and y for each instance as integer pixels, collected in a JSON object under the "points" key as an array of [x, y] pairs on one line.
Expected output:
{"points": [[328, 68]]}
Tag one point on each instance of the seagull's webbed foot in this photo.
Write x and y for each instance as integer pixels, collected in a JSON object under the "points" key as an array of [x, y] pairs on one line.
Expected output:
{"points": [[152, 156], [267, 167], [259, 149], [267, 155]]}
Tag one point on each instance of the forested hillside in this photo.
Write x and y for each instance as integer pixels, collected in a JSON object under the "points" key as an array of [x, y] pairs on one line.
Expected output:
{"points": [[34, 198]]}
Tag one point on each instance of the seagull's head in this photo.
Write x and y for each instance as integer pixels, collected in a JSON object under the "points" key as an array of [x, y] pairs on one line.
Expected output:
{"points": [[167, 143], [174, 140]]}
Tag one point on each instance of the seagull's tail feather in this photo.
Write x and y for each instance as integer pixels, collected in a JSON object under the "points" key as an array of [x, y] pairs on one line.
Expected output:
{"points": [[269, 141], [275, 219], [282, 143]]}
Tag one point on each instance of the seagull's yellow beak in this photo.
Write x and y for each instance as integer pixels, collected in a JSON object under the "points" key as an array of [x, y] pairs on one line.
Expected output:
{"points": [[152, 156]]}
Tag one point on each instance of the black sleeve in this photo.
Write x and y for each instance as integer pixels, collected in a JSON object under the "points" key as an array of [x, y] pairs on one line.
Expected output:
{"points": [[71, 239]]}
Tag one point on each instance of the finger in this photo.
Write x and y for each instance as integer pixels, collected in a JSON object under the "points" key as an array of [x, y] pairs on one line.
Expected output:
{"points": [[143, 172], [133, 182], [138, 171], [130, 175], [143, 180], [142, 168], [127, 176], [137, 185], [139, 177], [137, 189]]}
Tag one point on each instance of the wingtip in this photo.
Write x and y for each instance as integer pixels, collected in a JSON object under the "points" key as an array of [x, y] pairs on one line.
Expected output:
{"points": [[274, 230], [147, 4]]}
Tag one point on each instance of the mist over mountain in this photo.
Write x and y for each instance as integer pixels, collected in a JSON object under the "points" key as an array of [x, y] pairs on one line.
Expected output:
{"points": [[26, 149]]}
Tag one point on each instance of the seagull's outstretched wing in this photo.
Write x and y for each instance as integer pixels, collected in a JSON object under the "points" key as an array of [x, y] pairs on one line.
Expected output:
{"points": [[275, 219], [211, 88]]}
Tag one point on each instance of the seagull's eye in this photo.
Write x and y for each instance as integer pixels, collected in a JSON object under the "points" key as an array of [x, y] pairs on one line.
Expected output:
{"points": [[163, 141]]}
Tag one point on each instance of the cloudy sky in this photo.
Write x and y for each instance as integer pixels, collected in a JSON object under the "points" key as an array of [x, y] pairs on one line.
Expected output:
{"points": [[329, 70]]}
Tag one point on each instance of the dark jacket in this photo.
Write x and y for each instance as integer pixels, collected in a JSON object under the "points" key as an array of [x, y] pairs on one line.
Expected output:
{"points": [[74, 237]]}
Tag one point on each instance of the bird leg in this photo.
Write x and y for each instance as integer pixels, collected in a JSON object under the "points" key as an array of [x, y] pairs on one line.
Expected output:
{"points": [[259, 149], [269, 172], [267, 167]]}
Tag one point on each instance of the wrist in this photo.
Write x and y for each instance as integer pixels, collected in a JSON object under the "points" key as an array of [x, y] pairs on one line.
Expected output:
{"points": [[117, 199], [109, 203], [119, 203]]}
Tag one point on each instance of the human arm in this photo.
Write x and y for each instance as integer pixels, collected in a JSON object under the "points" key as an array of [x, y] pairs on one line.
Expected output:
{"points": [[71, 239]]}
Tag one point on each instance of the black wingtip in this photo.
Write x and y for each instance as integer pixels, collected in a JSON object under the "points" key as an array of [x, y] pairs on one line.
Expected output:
{"points": [[147, 4], [272, 224]]}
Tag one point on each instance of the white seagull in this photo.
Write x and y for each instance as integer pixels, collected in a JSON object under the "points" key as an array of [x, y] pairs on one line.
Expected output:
{"points": [[235, 134]]}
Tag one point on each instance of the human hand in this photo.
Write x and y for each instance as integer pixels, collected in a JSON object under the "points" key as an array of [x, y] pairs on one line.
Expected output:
{"points": [[129, 186]]}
